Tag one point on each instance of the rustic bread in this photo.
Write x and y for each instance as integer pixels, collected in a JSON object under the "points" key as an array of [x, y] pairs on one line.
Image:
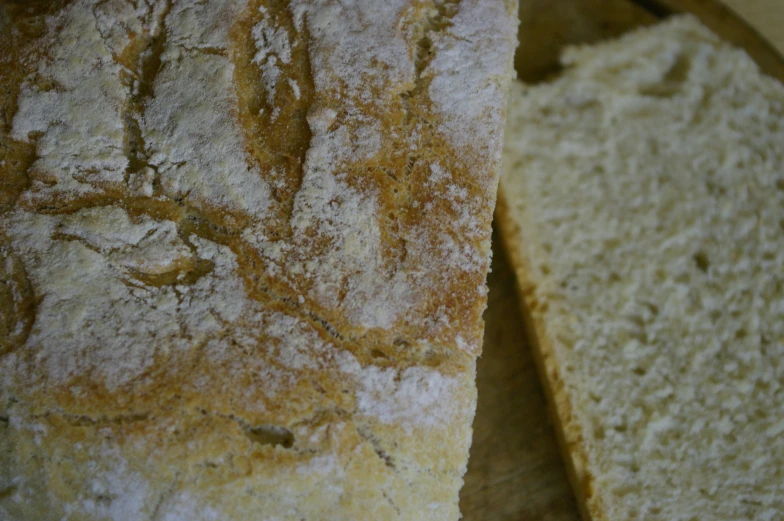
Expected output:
{"points": [[244, 248], [642, 205]]}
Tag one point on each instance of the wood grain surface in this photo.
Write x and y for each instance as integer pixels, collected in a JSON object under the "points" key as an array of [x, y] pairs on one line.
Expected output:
{"points": [[766, 16], [515, 472]]}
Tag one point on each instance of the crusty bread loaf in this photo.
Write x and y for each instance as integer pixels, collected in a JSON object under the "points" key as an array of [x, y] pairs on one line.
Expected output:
{"points": [[244, 246], [642, 205]]}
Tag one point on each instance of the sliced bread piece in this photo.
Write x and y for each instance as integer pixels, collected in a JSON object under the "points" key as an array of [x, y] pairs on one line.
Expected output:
{"points": [[642, 205]]}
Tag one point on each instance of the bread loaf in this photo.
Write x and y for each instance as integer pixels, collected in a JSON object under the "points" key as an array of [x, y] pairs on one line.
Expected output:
{"points": [[642, 205], [244, 248]]}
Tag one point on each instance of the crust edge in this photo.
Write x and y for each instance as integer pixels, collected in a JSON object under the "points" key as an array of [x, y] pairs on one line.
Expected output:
{"points": [[567, 428]]}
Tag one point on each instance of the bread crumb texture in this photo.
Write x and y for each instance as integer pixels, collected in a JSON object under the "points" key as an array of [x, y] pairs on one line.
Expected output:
{"points": [[646, 185], [242, 255]]}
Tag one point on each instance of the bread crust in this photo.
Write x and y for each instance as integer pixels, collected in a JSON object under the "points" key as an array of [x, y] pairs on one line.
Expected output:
{"points": [[567, 427], [243, 250]]}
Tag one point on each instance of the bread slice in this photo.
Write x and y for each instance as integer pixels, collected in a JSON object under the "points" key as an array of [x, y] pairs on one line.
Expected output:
{"points": [[244, 248], [642, 205]]}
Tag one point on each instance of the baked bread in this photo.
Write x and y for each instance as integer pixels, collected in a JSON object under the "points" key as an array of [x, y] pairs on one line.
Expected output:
{"points": [[642, 206], [244, 247]]}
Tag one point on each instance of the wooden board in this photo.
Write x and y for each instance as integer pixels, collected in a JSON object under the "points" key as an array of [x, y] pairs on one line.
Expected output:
{"points": [[515, 472], [767, 17]]}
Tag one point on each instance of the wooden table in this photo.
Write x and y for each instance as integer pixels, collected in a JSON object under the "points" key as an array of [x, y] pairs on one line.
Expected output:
{"points": [[515, 472]]}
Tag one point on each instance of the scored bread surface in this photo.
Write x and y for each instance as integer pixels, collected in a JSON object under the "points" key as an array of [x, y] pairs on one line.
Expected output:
{"points": [[244, 248], [642, 202]]}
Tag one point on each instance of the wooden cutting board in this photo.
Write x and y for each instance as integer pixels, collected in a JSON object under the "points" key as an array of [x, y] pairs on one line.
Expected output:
{"points": [[515, 472]]}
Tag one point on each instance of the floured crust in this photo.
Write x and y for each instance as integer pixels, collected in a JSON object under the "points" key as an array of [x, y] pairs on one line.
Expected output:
{"points": [[244, 247]]}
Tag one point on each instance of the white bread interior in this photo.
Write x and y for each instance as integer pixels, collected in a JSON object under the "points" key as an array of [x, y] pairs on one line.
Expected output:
{"points": [[642, 204]]}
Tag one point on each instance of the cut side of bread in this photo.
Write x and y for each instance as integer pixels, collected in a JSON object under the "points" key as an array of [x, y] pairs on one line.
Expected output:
{"points": [[243, 250], [642, 206]]}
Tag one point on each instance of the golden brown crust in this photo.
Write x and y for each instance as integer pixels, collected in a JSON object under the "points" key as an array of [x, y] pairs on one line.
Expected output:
{"points": [[567, 428], [243, 251]]}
